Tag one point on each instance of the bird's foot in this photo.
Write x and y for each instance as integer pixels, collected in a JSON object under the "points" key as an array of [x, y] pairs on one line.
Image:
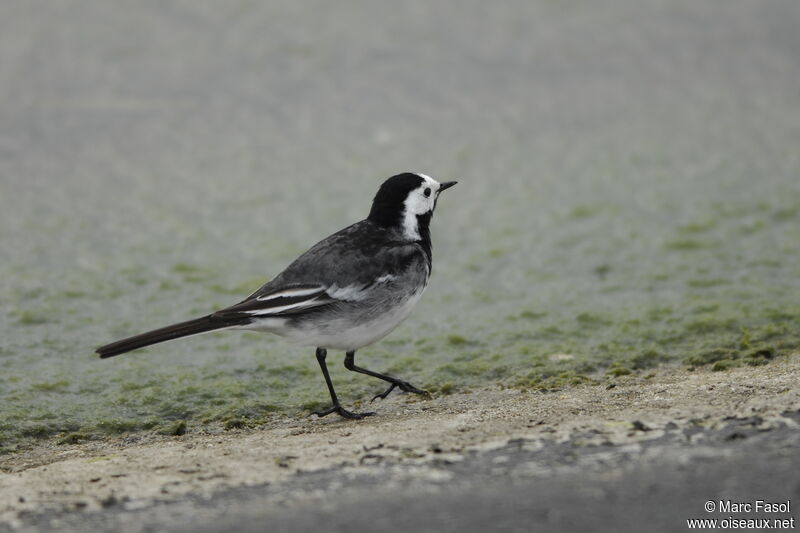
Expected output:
{"points": [[341, 411], [405, 386]]}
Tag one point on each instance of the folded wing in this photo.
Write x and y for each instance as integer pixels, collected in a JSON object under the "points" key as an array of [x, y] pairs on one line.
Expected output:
{"points": [[281, 302]]}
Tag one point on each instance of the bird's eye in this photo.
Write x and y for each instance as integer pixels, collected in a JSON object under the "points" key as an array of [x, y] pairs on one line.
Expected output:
{"points": [[427, 192]]}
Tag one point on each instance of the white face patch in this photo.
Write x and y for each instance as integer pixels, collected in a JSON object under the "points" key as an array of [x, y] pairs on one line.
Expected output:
{"points": [[417, 203]]}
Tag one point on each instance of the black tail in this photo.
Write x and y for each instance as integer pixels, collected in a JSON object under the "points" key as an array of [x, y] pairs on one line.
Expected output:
{"points": [[175, 331]]}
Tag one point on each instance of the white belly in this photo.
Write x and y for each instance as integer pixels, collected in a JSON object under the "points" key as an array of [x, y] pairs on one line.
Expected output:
{"points": [[341, 332]]}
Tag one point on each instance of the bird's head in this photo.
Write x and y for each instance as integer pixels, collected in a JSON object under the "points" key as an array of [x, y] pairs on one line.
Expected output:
{"points": [[407, 201]]}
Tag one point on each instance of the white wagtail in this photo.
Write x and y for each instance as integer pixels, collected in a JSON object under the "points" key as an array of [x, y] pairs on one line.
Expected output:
{"points": [[348, 291]]}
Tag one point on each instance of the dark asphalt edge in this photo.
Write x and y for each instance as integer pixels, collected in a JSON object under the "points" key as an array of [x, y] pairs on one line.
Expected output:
{"points": [[621, 487]]}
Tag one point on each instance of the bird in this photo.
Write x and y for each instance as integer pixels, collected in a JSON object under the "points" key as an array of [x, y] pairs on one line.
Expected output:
{"points": [[346, 292]]}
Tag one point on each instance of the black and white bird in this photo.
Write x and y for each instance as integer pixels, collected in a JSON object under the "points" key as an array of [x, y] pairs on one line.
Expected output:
{"points": [[346, 292]]}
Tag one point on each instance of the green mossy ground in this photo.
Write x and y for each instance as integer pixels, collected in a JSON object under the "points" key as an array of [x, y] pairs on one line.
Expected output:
{"points": [[582, 244]]}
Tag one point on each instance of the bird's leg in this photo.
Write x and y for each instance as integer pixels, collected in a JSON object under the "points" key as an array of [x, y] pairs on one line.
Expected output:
{"points": [[405, 386], [336, 407]]}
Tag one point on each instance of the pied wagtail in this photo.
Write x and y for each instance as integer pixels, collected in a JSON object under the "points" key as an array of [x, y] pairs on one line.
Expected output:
{"points": [[348, 291]]}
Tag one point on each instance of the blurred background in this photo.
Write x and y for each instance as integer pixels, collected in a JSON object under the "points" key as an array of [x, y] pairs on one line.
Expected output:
{"points": [[629, 193]]}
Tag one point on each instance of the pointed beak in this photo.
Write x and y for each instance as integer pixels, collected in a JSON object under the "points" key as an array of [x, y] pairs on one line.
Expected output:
{"points": [[446, 185]]}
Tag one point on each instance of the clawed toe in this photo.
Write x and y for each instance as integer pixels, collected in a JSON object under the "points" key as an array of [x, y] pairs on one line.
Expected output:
{"points": [[344, 413], [383, 394], [408, 387], [405, 386]]}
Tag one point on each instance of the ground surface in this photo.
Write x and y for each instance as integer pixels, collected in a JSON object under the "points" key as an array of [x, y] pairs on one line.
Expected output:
{"points": [[643, 454], [628, 203], [628, 194]]}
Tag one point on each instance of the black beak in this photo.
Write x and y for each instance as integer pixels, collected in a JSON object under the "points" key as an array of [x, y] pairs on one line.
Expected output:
{"points": [[446, 185]]}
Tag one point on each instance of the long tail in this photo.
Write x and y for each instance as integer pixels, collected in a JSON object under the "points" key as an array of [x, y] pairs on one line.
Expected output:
{"points": [[175, 331]]}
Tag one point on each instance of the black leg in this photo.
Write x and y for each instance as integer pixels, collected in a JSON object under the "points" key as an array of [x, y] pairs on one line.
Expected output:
{"points": [[336, 407], [405, 386]]}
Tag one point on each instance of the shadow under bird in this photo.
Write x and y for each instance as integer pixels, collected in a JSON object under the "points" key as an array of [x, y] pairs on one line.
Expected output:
{"points": [[348, 291]]}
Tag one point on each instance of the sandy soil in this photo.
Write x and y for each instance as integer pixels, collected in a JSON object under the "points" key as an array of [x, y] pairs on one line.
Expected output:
{"points": [[123, 472]]}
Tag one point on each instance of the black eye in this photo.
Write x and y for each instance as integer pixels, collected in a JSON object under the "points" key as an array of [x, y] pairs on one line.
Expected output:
{"points": [[426, 192]]}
